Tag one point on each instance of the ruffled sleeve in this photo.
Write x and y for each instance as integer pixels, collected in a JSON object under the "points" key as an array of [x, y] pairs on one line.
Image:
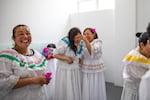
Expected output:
{"points": [[62, 45], [135, 64], [96, 48], [7, 78]]}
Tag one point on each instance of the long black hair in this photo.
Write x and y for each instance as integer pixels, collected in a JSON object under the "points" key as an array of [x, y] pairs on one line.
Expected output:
{"points": [[71, 34]]}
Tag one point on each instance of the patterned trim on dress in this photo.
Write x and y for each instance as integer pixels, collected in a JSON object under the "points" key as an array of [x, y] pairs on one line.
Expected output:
{"points": [[93, 67], [40, 65], [11, 56], [79, 50], [138, 59], [65, 40]]}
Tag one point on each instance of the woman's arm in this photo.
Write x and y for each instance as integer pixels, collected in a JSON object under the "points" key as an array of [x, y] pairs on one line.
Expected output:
{"points": [[64, 58], [87, 43], [33, 80]]}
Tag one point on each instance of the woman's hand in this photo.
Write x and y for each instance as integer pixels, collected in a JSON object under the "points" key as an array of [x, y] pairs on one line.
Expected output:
{"points": [[64, 58], [84, 38], [87, 43], [40, 80], [69, 60]]}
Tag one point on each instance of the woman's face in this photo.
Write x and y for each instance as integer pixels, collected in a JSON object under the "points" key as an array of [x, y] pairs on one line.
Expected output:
{"points": [[89, 35], [22, 37], [146, 49], [77, 39]]}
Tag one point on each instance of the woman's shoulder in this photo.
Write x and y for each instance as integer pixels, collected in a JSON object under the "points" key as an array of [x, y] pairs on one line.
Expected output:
{"points": [[134, 57], [65, 41], [8, 52], [134, 52], [8, 55], [96, 41]]}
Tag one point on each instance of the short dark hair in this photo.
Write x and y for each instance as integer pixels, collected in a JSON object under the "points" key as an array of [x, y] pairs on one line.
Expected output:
{"points": [[14, 29], [93, 32], [51, 45], [143, 37]]}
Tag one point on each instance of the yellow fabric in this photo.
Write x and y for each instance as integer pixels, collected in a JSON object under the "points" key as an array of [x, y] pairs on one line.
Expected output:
{"points": [[137, 59]]}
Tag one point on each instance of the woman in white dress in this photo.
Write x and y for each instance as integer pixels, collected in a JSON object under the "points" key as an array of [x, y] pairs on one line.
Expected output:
{"points": [[68, 52], [137, 62], [144, 88], [22, 69], [93, 82]]}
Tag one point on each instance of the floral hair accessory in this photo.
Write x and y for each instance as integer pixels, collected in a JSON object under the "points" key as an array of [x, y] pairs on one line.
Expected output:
{"points": [[93, 30], [48, 75]]}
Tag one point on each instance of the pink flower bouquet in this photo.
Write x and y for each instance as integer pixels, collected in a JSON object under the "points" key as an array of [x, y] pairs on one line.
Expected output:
{"points": [[48, 75]]}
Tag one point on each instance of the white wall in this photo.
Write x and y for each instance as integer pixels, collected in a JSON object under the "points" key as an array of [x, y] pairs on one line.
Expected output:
{"points": [[47, 19], [143, 15], [125, 29]]}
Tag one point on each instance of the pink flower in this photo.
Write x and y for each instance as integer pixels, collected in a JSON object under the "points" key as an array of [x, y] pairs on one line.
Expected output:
{"points": [[45, 50], [48, 75], [94, 30]]}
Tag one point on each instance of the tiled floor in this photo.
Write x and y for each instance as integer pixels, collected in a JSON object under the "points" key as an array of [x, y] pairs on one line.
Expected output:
{"points": [[113, 92]]}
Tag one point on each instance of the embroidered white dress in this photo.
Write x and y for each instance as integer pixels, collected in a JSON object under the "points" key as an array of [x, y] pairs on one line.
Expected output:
{"points": [[135, 67], [93, 82], [51, 66], [14, 66], [67, 84], [144, 90]]}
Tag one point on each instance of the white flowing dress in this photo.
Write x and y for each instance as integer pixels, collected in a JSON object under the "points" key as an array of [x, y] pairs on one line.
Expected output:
{"points": [[51, 66], [14, 66], [144, 90], [135, 67], [68, 83], [93, 82]]}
